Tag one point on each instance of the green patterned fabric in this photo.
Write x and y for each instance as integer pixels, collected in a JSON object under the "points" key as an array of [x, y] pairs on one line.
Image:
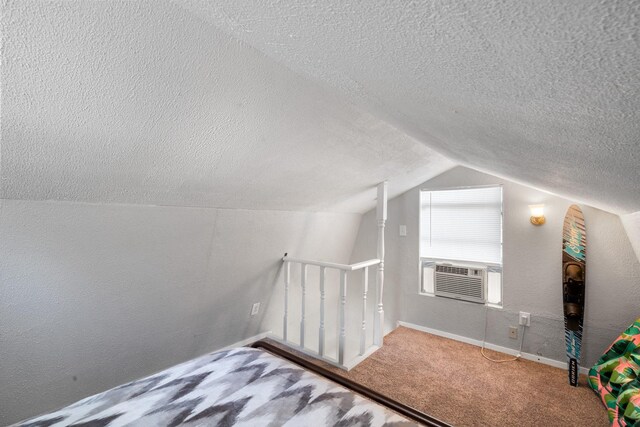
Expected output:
{"points": [[616, 378]]}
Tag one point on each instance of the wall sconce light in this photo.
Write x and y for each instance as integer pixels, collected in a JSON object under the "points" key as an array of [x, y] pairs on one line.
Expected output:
{"points": [[537, 214]]}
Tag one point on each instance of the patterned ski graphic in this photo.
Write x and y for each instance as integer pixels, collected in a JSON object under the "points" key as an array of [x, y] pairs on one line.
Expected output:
{"points": [[574, 242]]}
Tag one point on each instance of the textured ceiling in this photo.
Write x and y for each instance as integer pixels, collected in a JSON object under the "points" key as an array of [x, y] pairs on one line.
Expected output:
{"points": [[543, 92], [144, 102]]}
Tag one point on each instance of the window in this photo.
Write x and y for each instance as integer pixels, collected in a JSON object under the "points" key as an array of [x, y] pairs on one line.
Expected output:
{"points": [[463, 226]]}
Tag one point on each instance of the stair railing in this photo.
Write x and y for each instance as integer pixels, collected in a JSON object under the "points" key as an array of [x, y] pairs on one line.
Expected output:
{"points": [[343, 270], [378, 327]]}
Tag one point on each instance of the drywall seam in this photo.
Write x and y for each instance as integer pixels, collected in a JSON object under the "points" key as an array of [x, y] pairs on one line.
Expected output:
{"points": [[155, 205], [631, 223]]}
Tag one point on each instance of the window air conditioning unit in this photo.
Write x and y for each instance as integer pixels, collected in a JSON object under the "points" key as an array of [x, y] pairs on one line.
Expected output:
{"points": [[461, 282]]}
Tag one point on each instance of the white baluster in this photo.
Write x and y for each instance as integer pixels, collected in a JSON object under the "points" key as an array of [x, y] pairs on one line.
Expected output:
{"points": [[365, 287], [382, 217], [322, 297], [343, 316], [287, 280], [303, 284]]}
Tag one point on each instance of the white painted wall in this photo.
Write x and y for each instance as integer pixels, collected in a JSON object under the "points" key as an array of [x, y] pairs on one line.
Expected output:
{"points": [[532, 271], [93, 295]]}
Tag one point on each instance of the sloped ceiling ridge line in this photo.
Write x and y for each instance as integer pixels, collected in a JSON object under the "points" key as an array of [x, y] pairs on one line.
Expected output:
{"points": [[543, 93]]}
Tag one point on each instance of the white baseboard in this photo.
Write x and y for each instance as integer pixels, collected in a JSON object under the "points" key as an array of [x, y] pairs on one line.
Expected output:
{"points": [[489, 346], [246, 341], [354, 362], [477, 343]]}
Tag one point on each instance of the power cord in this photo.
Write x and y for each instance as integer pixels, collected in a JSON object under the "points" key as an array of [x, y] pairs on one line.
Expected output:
{"points": [[484, 338]]}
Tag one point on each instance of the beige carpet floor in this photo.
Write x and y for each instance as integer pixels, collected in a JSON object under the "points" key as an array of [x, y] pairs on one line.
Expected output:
{"points": [[451, 381]]}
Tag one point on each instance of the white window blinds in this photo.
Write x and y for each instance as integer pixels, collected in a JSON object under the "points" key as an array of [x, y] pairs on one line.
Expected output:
{"points": [[462, 225]]}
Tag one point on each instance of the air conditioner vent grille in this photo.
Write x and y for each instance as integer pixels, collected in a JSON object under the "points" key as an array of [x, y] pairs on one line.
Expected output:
{"points": [[463, 286], [459, 282]]}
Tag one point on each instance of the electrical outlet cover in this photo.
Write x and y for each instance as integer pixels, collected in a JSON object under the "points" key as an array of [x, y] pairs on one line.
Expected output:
{"points": [[255, 309], [525, 319], [513, 332]]}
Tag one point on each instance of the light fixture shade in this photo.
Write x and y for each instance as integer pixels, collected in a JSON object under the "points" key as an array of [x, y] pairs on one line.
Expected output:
{"points": [[537, 214]]}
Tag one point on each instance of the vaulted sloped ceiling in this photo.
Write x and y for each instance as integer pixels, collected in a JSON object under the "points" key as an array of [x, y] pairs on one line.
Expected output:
{"points": [[143, 102], [306, 105], [546, 93]]}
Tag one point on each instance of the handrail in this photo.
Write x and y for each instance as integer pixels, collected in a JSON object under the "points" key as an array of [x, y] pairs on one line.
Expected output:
{"points": [[343, 267], [364, 264]]}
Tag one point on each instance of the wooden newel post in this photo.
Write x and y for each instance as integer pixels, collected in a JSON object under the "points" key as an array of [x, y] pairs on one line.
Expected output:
{"points": [[381, 214]]}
